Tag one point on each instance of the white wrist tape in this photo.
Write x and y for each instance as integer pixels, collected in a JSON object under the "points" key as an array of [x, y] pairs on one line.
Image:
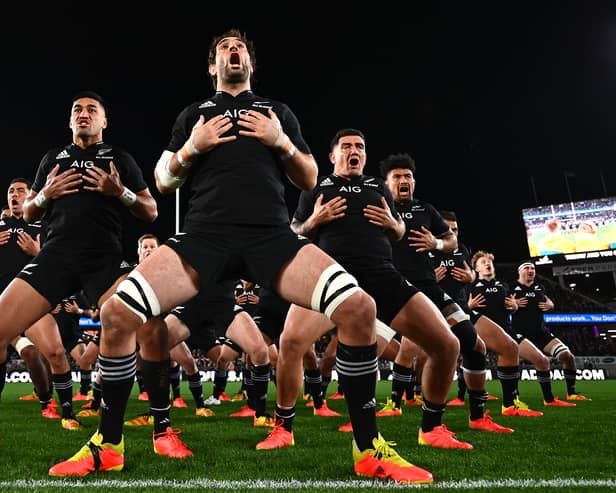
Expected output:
{"points": [[190, 149], [80, 311], [166, 178], [40, 200], [289, 154], [439, 244], [183, 159], [281, 140], [128, 197]]}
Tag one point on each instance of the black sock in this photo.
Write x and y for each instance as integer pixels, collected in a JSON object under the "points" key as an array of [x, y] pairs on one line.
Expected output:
{"points": [[409, 391], [118, 376], [545, 381], [260, 379], [477, 400], [357, 370], [570, 380], [63, 383], [44, 399], [175, 380], [325, 381], [285, 417], [86, 381], [313, 381], [432, 415], [156, 382], [196, 389], [508, 376], [401, 376], [139, 377], [220, 382]]}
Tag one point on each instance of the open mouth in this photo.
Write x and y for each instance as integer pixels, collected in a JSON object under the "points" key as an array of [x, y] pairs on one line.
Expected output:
{"points": [[354, 161], [404, 188], [14, 202], [234, 60]]}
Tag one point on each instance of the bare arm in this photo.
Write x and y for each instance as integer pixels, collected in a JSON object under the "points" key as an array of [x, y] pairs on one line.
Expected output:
{"points": [[424, 240], [321, 214]]}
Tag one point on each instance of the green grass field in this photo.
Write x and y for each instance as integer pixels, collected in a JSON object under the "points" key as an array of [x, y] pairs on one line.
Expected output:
{"points": [[571, 449]]}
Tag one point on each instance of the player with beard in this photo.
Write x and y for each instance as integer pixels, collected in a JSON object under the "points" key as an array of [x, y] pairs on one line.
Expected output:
{"points": [[425, 231], [527, 321], [236, 144], [352, 217]]}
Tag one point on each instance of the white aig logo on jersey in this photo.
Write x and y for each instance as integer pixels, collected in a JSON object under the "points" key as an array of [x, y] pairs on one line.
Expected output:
{"points": [[354, 189], [82, 164]]}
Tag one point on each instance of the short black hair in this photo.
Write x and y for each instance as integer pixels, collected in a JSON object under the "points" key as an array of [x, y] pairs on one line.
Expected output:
{"points": [[449, 215], [394, 161], [21, 180], [344, 133], [92, 95]]}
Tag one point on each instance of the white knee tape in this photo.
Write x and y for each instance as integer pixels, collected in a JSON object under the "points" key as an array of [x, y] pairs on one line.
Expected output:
{"points": [[138, 296], [384, 331], [558, 350], [333, 287], [455, 313], [22, 343]]}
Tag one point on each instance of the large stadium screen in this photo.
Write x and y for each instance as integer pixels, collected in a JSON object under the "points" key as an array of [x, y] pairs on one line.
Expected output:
{"points": [[573, 231]]}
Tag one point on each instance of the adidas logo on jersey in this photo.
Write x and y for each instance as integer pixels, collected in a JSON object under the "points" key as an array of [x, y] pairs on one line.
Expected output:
{"points": [[207, 104], [63, 154], [327, 182]]}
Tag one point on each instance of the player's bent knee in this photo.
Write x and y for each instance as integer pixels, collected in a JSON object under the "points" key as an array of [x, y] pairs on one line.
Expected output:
{"points": [[136, 294], [22, 344], [334, 286], [559, 351]]}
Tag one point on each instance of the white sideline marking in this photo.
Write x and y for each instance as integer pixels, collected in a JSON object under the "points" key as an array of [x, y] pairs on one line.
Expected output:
{"points": [[310, 484]]}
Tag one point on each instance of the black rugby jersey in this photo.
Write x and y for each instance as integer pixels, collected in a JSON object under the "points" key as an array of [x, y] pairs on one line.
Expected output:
{"points": [[416, 213], [529, 316], [494, 292], [12, 257], [351, 238], [239, 182], [87, 222], [453, 288]]}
